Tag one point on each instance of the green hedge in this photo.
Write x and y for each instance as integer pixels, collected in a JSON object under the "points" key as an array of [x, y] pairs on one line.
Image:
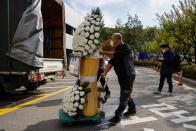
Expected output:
{"points": [[189, 71]]}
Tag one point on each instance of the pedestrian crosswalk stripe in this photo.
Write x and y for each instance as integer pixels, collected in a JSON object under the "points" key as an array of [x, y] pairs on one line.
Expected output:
{"points": [[136, 120], [189, 126], [148, 129]]}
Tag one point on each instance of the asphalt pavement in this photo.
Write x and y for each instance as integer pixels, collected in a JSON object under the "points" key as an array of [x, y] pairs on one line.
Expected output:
{"points": [[38, 111]]}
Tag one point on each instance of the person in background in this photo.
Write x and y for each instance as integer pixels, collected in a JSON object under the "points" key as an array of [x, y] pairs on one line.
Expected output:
{"points": [[122, 62], [167, 69], [102, 79]]}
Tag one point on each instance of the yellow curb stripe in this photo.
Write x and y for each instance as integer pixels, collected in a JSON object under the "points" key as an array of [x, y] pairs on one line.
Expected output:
{"points": [[11, 109]]}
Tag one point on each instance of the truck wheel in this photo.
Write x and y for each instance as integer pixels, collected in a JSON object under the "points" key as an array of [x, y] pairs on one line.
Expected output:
{"points": [[31, 86], [2, 91]]}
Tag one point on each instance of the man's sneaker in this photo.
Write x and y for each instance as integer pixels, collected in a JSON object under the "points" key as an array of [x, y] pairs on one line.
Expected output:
{"points": [[157, 93], [129, 113], [115, 120], [169, 94]]}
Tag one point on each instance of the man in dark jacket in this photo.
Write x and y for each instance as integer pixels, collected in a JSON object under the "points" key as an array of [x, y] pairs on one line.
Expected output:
{"points": [[122, 62], [167, 69]]}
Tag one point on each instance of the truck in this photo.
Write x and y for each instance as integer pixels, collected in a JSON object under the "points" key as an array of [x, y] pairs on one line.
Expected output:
{"points": [[32, 43]]}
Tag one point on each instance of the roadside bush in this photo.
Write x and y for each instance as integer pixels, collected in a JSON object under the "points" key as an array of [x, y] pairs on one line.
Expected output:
{"points": [[189, 71]]}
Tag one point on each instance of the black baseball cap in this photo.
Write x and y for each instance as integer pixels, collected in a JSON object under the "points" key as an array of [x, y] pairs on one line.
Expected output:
{"points": [[164, 46]]}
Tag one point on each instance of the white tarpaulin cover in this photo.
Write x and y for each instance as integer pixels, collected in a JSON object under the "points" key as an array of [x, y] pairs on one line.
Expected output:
{"points": [[27, 44]]}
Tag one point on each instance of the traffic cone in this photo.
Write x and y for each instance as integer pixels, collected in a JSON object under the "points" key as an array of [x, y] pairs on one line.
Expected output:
{"points": [[153, 68], [180, 80]]}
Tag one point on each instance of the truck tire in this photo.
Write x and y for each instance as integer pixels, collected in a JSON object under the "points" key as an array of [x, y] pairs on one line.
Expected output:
{"points": [[2, 91], [31, 86]]}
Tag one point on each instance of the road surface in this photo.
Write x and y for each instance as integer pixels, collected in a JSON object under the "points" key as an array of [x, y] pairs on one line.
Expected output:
{"points": [[38, 111]]}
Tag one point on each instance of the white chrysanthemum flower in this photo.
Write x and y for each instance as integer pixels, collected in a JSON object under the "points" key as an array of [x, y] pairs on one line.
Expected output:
{"points": [[92, 26], [87, 47], [76, 104], [92, 37], [87, 28], [97, 23], [65, 110], [94, 47], [82, 49], [97, 35], [90, 42], [91, 51], [74, 109], [72, 93], [76, 92], [76, 97], [90, 19], [75, 88], [72, 99], [85, 53], [92, 30], [98, 19], [87, 34], [79, 53], [81, 29], [95, 16], [69, 113], [71, 105], [85, 40], [82, 101], [96, 41], [80, 88], [93, 21], [87, 23], [97, 28], [81, 107], [82, 93], [82, 33], [74, 113], [86, 18]]}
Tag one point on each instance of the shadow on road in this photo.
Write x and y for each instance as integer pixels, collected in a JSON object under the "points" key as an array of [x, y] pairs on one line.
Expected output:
{"points": [[55, 125]]}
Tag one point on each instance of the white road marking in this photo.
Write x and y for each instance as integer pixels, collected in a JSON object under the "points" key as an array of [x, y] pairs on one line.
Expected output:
{"points": [[189, 126], [148, 129], [136, 120], [155, 105], [183, 119], [169, 114], [157, 108]]}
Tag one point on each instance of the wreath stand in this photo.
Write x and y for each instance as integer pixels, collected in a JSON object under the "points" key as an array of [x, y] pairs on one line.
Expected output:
{"points": [[86, 70]]}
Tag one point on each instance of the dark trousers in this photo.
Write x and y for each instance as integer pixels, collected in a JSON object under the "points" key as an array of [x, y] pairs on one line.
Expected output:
{"points": [[169, 81], [126, 87], [102, 81]]}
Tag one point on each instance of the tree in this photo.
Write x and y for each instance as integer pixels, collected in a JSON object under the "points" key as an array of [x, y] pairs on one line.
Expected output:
{"points": [[180, 24], [133, 32], [119, 24]]}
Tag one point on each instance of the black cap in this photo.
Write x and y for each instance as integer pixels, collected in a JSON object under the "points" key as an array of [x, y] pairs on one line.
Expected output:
{"points": [[164, 46]]}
